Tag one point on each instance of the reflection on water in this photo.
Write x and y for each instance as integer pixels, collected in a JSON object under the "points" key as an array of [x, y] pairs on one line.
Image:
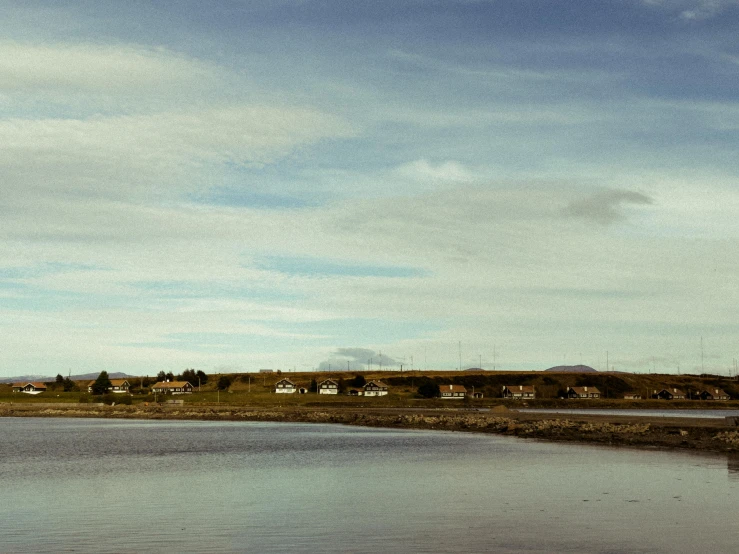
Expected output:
{"points": [[112, 486], [732, 464]]}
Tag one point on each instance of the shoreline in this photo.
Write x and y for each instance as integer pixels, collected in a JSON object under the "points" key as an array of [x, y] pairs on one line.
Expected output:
{"points": [[710, 435]]}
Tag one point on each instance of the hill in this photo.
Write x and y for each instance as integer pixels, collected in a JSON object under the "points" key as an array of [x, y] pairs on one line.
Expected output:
{"points": [[572, 369], [47, 379]]}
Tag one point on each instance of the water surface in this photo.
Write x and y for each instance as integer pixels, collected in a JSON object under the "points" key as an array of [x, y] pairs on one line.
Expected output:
{"points": [[166, 486]]}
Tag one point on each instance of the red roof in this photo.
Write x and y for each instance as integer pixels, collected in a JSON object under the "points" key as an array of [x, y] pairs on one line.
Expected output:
{"points": [[35, 385], [584, 390], [520, 388], [171, 385]]}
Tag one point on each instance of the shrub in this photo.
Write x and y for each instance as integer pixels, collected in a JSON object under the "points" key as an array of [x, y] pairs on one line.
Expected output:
{"points": [[358, 381], [429, 389]]}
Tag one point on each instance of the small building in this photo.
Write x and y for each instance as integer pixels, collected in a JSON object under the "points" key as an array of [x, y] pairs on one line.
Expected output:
{"points": [[285, 386], [172, 387], [355, 392], [525, 392], [29, 388], [632, 396], [328, 386], [116, 385], [713, 394], [302, 389], [266, 371], [375, 388], [669, 394], [457, 392], [476, 394], [583, 392]]}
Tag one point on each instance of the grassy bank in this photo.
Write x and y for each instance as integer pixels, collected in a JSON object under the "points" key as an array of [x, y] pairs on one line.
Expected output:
{"points": [[696, 434]]}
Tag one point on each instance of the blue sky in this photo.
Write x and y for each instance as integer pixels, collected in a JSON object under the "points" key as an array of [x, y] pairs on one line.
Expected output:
{"points": [[250, 184]]}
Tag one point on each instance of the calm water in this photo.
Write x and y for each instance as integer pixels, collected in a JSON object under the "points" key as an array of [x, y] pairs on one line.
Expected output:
{"points": [[147, 486], [700, 414]]}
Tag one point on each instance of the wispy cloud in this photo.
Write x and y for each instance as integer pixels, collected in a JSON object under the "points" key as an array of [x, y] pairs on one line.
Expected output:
{"points": [[605, 207]]}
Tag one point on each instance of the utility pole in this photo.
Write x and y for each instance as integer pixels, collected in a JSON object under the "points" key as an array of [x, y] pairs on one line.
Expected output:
{"points": [[493, 357], [460, 355], [703, 370]]}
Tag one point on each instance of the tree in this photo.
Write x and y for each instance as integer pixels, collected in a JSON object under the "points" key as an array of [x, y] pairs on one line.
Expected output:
{"points": [[59, 379], [358, 381], [342, 385], [202, 376], [224, 382], [429, 389], [101, 384], [313, 386], [190, 376], [169, 376], [161, 376], [69, 385]]}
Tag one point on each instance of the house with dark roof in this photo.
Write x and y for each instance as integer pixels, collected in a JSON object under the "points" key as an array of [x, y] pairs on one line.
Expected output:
{"points": [[583, 392], [116, 385], [670, 393], [519, 392], [713, 393], [457, 392], [375, 388], [328, 386], [285, 386]]}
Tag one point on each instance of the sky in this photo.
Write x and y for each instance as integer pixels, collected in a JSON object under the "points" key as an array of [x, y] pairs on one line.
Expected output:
{"points": [[294, 184]]}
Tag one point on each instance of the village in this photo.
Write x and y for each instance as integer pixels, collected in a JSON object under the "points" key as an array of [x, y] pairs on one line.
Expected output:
{"points": [[376, 388]]}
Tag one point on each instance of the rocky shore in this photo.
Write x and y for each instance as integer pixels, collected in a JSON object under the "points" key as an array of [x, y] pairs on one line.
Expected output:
{"points": [[709, 434]]}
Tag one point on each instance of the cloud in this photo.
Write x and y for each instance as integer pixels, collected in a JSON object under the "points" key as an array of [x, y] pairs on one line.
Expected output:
{"points": [[357, 359], [706, 9], [97, 68], [693, 10], [605, 207], [449, 172], [121, 156]]}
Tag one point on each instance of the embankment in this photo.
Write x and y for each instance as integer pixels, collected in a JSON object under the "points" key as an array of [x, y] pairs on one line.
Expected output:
{"points": [[697, 434]]}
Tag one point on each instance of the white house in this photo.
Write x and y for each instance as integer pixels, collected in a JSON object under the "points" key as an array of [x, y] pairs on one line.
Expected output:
{"points": [[519, 392], [375, 388], [328, 386], [29, 388], [457, 392], [172, 387], [285, 386]]}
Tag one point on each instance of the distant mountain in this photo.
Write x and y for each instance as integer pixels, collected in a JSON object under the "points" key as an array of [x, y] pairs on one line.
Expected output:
{"points": [[47, 379], [572, 369], [475, 369]]}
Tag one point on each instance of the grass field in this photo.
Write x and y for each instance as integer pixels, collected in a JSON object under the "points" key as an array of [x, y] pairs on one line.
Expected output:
{"points": [[257, 389]]}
